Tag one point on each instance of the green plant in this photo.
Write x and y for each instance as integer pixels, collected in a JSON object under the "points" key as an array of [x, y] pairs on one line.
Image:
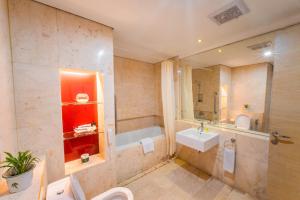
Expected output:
{"points": [[19, 164]]}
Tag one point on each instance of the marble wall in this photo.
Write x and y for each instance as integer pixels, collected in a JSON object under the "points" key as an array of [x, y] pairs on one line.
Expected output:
{"points": [[138, 104], [8, 136], [251, 159], [44, 40], [284, 159], [206, 83], [224, 93], [235, 87], [249, 86], [139, 162]]}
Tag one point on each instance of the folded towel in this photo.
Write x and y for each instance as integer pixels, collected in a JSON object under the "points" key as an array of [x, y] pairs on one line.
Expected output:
{"points": [[85, 129], [229, 160], [85, 125], [148, 145]]}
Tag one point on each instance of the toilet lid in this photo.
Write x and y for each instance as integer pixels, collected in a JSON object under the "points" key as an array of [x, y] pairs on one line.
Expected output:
{"points": [[242, 122], [60, 190]]}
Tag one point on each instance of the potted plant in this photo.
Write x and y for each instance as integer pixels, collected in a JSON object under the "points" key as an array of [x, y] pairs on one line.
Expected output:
{"points": [[20, 170]]}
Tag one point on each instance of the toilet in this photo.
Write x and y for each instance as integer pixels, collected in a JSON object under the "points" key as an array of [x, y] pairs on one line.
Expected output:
{"points": [[69, 189], [118, 193], [243, 122]]}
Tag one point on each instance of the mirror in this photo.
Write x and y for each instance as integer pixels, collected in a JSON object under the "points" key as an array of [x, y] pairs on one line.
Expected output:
{"points": [[230, 86]]}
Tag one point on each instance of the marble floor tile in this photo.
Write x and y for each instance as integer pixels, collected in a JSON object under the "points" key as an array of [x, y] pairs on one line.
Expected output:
{"points": [[176, 180]]}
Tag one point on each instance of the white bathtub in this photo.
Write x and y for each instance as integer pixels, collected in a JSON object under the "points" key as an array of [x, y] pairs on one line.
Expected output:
{"points": [[130, 159], [123, 140]]}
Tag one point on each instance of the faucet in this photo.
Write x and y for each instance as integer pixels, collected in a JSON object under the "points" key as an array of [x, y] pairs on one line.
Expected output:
{"points": [[201, 128]]}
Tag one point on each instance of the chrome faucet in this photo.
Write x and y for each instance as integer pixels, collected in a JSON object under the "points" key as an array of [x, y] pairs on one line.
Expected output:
{"points": [[201, 128]]}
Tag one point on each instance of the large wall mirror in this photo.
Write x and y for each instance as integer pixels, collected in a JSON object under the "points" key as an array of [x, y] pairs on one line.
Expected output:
{"points": [[230, 86]]}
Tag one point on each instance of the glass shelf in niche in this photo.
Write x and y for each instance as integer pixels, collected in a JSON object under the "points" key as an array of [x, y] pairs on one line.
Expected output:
{"points": [[72, 135], [78, 103]]}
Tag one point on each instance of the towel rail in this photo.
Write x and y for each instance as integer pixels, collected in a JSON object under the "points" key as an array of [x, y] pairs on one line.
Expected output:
{"points": [[139, 117], [230, 143]]}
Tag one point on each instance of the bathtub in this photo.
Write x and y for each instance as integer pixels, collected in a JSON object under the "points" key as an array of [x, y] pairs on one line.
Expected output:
{"points": [[130, 159], [126, 139]]}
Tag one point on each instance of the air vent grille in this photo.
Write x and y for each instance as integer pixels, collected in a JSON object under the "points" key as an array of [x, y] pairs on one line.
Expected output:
{"points": [[261, 45], [229, 12]]}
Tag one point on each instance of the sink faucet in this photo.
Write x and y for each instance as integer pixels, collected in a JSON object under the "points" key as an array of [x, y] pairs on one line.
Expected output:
{"points": [[201, 128]]}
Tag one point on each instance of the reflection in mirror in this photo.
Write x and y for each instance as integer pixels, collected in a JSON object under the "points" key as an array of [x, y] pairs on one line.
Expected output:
{"points": [[231, 85]]}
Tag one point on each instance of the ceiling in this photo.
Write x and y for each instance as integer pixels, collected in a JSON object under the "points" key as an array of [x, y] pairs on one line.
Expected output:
{"points": [[233, 55], [154, 30]]}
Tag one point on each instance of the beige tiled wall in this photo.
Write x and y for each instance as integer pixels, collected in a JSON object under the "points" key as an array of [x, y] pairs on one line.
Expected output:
{"points": [[251, 159], [244, 85], [137, 87], [224, 93], [284, 159], [209, 85], [139, 161], [8, 137], [44, 40], [138, 123], [249, 86]]}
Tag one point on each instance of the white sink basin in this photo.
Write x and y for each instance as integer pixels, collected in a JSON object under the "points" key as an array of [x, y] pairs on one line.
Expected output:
{"points": [[193, 139]]}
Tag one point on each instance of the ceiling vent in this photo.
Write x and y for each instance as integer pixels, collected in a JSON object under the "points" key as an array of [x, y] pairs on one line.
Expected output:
{"points": [[229, 12], [261, 45]]}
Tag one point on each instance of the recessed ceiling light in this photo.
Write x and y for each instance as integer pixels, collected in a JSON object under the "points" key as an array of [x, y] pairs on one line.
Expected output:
{"points": [[76, 73], [100, 53], [220, 50], [199, 41], [268, 53]]}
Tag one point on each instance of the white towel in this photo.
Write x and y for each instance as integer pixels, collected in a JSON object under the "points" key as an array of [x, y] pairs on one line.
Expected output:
{"points": [[148, 145], [229, 160]]}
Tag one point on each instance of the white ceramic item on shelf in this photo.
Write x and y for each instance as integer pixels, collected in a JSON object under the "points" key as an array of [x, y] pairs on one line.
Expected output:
{"points": [[82, 98], [243, 122]]}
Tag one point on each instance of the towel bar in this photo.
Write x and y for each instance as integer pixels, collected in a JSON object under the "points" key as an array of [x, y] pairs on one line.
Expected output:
{"points": [[230, 143]]}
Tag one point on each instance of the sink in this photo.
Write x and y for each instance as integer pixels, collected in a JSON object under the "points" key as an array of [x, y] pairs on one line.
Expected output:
{"points": [[200, 142]]}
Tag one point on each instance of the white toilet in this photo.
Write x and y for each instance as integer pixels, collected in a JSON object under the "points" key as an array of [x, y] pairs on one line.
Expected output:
{"points": [[70, 189], [243, 122], [117, 193]]}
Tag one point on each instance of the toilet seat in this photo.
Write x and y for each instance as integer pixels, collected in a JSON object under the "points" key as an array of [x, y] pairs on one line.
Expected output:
{"points": [[61, 190], [243, 122], [117, 193]]}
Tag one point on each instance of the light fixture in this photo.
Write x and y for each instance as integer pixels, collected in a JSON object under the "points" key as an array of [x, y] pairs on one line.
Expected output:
{"points": [[220, 50], [268, 53], [199, 41], [100, 53], [76, 73]]}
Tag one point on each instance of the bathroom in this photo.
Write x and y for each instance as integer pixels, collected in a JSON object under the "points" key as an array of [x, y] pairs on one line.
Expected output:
{"points": [[119, 107]]}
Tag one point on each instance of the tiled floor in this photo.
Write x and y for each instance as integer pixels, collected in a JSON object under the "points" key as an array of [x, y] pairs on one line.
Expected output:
{"points": [[177, 180]]}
